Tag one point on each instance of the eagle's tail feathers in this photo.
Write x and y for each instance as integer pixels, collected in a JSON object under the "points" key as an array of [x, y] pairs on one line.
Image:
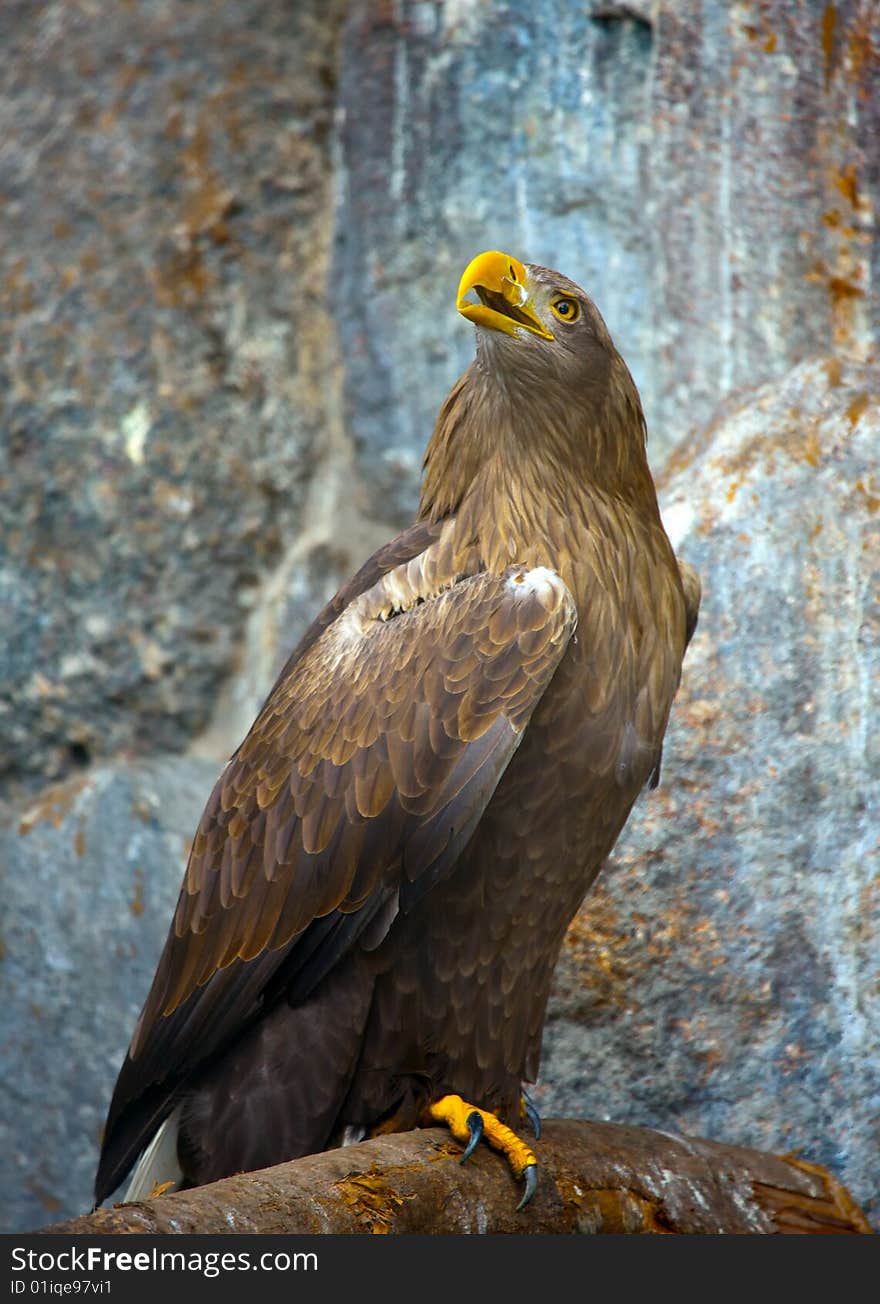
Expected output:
{"points": [[158, 1170]]}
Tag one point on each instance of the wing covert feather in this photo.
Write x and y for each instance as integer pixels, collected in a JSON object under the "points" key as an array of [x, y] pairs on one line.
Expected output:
{"points": [[378, 750]]}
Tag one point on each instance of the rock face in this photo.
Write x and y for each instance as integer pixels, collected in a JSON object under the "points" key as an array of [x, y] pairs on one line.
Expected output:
{"points": [[233, 236], [722, 977], [89, 874], [164, 171], [709, 173]]}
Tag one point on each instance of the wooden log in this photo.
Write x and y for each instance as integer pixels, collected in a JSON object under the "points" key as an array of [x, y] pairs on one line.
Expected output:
{"points": [[594, 1177]]}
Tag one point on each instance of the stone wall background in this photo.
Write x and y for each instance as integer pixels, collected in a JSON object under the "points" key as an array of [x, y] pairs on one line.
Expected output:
{"points": [[231, 237]]}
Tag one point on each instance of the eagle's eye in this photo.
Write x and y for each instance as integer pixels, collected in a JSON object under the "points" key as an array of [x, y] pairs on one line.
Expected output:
{"points": [[566, 308]]}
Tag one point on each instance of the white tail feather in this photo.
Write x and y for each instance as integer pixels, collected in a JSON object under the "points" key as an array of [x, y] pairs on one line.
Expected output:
{"points": [[158, 1164]]}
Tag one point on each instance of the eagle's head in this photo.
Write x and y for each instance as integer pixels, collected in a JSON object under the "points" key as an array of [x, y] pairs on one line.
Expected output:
{"points": [[547, 393], [534, 325]]}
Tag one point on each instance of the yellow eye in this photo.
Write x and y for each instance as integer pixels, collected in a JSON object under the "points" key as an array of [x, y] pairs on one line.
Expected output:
{"points": [[566, 309]]}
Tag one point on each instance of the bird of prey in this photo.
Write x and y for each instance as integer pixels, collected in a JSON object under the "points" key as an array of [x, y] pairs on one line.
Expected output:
{"points": [[382, 877]]}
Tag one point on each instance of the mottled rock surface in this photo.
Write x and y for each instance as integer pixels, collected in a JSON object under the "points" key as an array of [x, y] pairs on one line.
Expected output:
{"points": [[164, 186], [708, 172], [89, 874], [723, 977]]}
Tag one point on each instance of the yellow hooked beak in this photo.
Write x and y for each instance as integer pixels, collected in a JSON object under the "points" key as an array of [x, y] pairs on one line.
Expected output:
{"points": [[499, 282]]}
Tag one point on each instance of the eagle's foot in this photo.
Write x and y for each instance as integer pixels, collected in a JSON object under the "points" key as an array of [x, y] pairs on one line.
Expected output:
{"points": [[469, 1124]]}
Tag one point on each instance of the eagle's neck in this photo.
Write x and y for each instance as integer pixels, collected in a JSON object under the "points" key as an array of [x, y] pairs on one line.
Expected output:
{"points": [[518, 475]]}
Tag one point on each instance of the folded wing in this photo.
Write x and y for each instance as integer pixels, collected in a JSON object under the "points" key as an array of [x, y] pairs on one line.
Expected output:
{"points": [[356, 789]]}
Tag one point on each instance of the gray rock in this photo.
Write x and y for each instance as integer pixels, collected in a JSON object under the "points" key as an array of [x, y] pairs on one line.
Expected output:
{"points": [[164, 170], [721, 979], [89, 875], [707, 172]]}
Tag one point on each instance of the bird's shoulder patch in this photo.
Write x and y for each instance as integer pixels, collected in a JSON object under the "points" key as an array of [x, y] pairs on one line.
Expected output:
{"points": [[419, 579], [540, 582], [439, 571]]}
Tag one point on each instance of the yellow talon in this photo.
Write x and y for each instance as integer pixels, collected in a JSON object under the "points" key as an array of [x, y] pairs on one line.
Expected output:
{"points": [[468, 1123]]}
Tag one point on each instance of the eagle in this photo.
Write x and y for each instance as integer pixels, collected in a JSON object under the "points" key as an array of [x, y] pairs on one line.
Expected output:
{"points": [[382, 877]]}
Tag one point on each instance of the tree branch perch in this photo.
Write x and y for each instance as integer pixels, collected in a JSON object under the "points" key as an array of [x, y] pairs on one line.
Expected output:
{"points": [[594, 1177]]}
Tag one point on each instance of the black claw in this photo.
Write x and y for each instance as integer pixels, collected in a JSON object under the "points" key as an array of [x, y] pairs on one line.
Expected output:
{"points": [[530, 1177], [475, 1127], [533, 1117]]}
